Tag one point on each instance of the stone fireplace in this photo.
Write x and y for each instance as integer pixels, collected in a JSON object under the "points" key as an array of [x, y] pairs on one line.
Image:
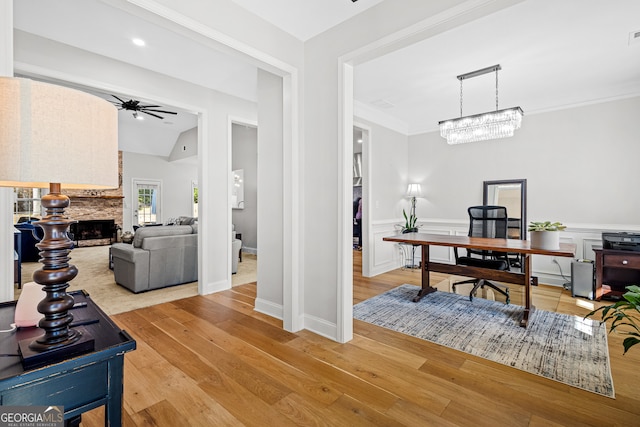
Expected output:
{"points": [[92, 207]]}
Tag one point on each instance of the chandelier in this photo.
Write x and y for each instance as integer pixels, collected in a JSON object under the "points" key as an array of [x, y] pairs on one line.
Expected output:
{"points": [[484, 126]]}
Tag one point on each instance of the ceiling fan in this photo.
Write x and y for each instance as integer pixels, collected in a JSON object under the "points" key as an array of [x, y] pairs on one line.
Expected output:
{"points": [[136, 107]]}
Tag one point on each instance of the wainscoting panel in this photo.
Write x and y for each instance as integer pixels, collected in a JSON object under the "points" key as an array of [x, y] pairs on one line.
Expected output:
{"points": [[387, 256]]}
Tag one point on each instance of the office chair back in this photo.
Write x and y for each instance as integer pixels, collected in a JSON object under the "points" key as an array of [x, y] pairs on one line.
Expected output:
{"points": [[491, 222], [487, 221]]}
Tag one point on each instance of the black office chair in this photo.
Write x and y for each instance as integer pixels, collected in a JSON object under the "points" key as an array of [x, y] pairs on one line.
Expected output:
{"points": [[485, 221], [513, 232]]}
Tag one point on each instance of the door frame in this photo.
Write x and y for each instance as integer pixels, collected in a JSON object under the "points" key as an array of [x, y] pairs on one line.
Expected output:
{"points": [[134, 197]]}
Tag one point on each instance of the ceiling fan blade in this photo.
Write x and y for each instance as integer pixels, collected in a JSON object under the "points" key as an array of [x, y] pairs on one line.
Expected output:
{"points": [[150, 106], [158, 111], [151, 114], [121, 101]]}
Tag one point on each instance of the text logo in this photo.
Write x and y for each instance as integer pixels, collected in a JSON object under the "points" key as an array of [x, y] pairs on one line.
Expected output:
{"points": [[31, 416]]}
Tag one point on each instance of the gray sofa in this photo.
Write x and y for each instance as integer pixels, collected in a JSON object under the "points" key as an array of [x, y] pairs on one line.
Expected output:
{"points": [[161, 256], [157, 257]]}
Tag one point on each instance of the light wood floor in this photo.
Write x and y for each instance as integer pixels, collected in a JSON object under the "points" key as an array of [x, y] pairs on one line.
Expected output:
{"points": [[212, 361]]}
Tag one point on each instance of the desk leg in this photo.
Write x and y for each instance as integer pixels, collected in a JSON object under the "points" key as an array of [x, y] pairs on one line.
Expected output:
{"points": [[113, 408], [426, 286], [528, 305]]}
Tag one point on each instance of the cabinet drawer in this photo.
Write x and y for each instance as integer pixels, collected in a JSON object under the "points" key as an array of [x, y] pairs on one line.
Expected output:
{"points": [[71, 389], [626, 261]]}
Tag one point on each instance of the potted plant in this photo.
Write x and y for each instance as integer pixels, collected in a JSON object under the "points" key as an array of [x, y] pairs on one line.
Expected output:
{"points": [[544, 234], [625, 312], [410, 222]]}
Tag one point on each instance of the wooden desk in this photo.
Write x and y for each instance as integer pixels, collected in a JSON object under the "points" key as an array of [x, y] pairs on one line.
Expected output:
{"points": [[80, 383], [521, 247]]}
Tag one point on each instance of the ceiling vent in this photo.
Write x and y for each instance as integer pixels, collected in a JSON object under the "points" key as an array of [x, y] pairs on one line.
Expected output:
{"points": [[634, 37]]}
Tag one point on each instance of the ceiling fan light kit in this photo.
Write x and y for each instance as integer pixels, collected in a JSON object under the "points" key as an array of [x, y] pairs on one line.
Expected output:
{"points": [[136, 107], [484, 126]]}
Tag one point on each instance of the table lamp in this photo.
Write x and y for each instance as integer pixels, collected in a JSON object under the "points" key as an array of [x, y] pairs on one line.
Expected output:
{"points": [[55, 137], [413, 191]]}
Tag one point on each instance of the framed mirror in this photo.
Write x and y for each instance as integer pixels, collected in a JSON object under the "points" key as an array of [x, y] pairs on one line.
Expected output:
{"points": [[511, 193], [237, 192]]}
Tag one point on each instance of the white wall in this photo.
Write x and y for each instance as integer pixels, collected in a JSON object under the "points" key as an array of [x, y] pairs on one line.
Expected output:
{"points": [[388, 169], [580, 165], [186, 146], [270, 197], [176, 181]]}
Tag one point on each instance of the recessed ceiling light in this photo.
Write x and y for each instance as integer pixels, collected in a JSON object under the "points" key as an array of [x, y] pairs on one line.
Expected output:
{"points": [[138, 42]]}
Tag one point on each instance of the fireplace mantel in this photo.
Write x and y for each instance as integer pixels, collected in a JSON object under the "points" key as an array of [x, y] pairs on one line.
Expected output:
{"points": [[96, 197]]}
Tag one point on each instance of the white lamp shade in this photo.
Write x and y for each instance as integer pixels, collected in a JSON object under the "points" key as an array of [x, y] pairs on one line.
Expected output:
{"points": [[414, 190], [53, 134]]}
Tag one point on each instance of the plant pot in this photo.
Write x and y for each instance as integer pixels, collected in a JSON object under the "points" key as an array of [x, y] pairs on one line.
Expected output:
{"points": [[409, 230], [545, 239]]}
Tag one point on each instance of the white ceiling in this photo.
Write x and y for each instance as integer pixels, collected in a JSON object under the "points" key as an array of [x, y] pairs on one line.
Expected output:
{"points": [[305, 19], [554, 54]]}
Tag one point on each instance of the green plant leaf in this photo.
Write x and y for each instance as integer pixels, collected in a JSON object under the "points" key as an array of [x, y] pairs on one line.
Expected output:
{"points": [[629, 342], [624, 313]]}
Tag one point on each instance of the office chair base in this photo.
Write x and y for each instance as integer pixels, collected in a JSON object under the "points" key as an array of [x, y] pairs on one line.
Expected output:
{"points": [[480, 283]]}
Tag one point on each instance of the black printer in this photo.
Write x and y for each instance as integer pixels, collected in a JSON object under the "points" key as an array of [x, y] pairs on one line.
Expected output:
{"points": [[621, 241]]}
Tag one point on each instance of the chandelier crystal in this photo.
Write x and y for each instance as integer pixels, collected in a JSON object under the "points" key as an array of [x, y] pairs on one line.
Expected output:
{"points": [[481, 127]]}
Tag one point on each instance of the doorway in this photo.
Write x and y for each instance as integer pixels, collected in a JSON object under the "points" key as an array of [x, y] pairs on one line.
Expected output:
{"points": [[361, 195], [147, 195], [244, 213]]}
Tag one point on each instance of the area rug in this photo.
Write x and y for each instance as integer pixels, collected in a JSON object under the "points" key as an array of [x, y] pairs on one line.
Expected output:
{"points": [[557, 346], [95, 277]]}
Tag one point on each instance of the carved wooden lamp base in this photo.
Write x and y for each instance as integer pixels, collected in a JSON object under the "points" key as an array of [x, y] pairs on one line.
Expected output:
{"points": [[58, 341]]}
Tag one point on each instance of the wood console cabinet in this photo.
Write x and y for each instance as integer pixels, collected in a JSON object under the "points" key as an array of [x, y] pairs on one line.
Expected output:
{"points": [[615, 270]]}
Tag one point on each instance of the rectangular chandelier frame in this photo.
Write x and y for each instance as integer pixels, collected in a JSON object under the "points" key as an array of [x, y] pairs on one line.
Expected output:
{"points": [[484, 126]]}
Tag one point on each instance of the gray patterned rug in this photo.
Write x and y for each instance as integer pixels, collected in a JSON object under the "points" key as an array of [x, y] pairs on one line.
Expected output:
{"points": [[564, 348]]}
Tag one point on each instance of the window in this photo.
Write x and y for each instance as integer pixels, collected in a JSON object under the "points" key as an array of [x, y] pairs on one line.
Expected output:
{"points": [[27, 203], [194, 205], [146, 195]]}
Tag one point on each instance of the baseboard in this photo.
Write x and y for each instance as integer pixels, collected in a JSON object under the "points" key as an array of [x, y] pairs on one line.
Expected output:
{"points": [[269, 308], [210, 288], [253, 251], [321, 327]]}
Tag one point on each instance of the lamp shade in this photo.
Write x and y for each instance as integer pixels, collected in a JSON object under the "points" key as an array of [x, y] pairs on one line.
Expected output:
{"points": [[53, 134], [414, 190]]}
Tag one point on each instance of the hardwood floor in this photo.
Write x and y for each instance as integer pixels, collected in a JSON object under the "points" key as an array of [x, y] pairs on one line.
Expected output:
{"points": [[212, 360]]}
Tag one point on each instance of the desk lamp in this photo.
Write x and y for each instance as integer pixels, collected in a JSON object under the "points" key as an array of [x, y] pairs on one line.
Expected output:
{"points": [[55, 137]]}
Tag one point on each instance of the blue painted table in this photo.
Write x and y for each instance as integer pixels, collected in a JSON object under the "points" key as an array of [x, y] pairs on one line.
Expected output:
{"points": [[80, 383]]}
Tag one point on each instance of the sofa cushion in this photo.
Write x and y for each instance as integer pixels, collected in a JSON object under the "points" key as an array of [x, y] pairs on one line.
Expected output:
{"points": [[172, 230], [185, 220]]}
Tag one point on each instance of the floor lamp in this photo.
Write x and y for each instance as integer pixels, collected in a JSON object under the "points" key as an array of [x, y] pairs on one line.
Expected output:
{"points": [[57, 138]]}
